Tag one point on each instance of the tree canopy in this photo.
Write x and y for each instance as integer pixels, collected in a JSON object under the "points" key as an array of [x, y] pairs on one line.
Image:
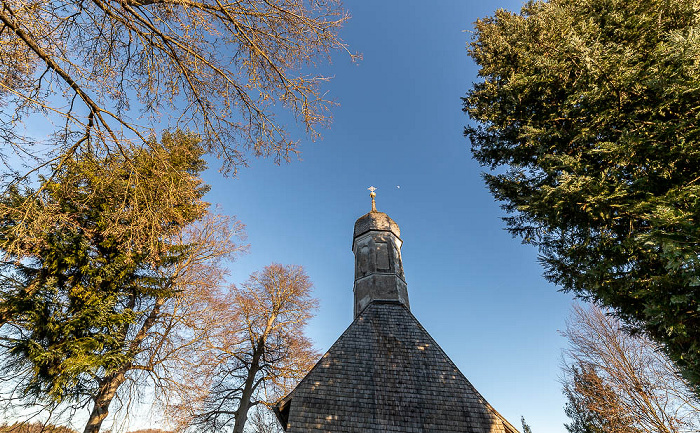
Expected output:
{"points": [[106, 72], [101, 288], [263, 351], [588, 115]]}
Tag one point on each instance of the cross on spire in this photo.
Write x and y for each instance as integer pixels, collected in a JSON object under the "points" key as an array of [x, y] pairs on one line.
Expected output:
{"points": [[373, 194]]}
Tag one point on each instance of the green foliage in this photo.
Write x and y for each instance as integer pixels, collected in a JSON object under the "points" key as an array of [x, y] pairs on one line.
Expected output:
{"points": [[526, 427], [589, 116], [87, 255]]}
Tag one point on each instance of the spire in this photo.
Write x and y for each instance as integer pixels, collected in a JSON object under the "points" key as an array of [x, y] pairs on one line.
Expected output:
{"points": [[378, 268]]}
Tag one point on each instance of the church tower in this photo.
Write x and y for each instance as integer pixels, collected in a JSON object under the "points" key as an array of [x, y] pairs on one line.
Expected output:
{"points": [[385, 373], [376, 244]]}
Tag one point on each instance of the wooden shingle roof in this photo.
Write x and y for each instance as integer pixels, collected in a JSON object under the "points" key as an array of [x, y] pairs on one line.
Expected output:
{"points": [[387, 374]]}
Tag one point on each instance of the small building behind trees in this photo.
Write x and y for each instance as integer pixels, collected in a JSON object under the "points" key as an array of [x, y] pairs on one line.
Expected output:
{"points": [[385, 373]]}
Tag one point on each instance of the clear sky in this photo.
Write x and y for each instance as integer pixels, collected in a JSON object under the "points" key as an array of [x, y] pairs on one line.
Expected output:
{"points": [[478, 291]]}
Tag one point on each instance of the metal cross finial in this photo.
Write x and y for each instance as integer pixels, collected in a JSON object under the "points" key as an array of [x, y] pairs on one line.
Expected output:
{"points": [[373, 194]]}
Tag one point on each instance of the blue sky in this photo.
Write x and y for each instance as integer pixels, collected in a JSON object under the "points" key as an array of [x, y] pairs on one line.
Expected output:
{"points": [[478, 291]]}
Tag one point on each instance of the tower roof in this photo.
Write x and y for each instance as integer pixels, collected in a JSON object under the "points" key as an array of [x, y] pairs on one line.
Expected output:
{"points": [[375, 221], [386, 374]]}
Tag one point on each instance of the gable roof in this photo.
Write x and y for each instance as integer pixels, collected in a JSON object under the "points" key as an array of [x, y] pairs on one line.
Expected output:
{"points": [[387, 374]]}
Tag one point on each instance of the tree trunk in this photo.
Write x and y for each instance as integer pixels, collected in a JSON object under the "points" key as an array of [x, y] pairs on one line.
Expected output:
{"points": [[111, 383], [108, 389], [245, 403]]}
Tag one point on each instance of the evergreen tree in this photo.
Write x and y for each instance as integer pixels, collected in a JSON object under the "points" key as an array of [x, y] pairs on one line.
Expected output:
{"points": [[79, 291], [589, 114]]}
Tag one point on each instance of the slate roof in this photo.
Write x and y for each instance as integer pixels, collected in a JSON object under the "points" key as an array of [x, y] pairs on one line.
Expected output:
{"points": [[386, 374]]}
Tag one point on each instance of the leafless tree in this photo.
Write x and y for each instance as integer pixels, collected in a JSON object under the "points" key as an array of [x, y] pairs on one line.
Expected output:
{"points": [[617, 382], [104, 71], [263, 351]]}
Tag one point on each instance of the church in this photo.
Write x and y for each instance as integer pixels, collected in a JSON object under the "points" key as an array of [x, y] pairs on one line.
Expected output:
{"points": [[385, 373]]}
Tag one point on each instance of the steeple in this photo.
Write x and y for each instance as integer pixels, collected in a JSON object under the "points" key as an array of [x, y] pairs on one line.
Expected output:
{"points": [[378, 270], [385, 373]]}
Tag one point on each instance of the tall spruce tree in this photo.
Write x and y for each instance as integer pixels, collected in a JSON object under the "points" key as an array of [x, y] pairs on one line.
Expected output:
{"points": [[79, 291], [589, 117]]}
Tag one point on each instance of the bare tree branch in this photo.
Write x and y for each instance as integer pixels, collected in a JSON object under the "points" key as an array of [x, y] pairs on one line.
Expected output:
{"points": [[621, 382]]}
